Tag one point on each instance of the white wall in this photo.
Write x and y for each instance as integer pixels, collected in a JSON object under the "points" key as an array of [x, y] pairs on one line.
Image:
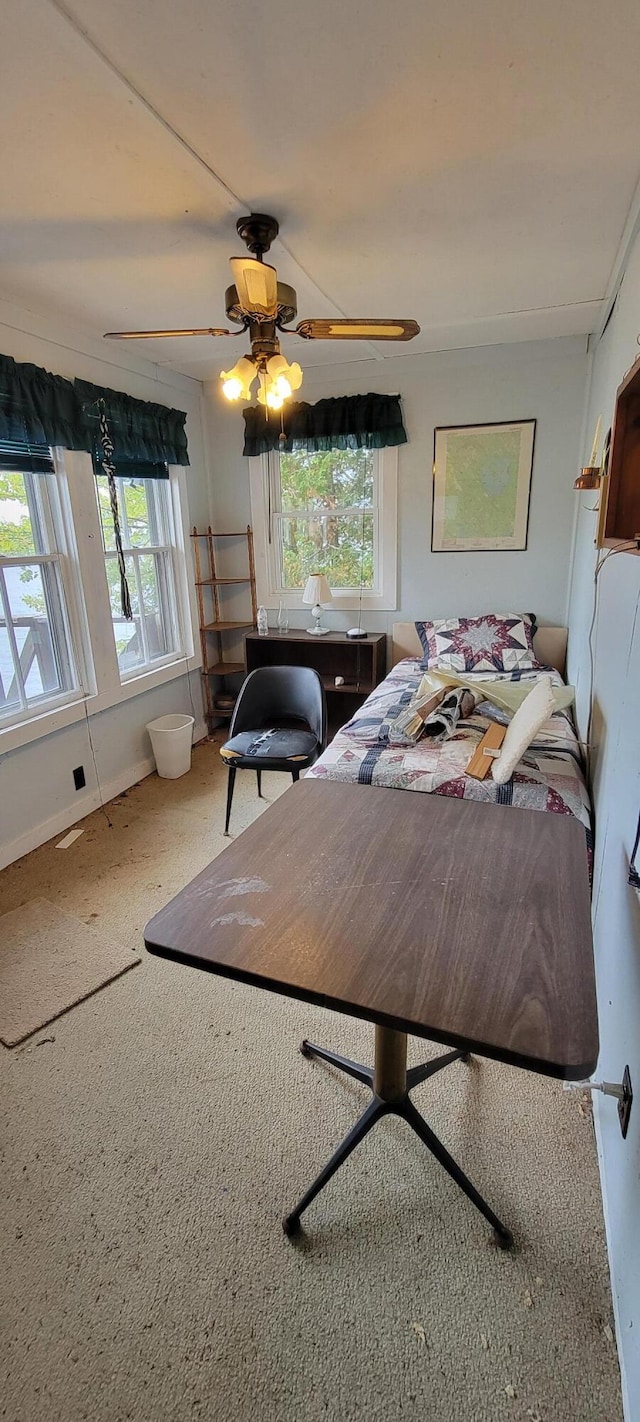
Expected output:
{"points": [[616, 771], [37, 793], [544, 380]]}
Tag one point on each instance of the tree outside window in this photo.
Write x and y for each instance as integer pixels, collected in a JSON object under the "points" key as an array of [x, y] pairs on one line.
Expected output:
{"points": [[325, 513]]}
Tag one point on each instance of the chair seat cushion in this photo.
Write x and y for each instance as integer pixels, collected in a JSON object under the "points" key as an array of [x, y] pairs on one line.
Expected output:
{"points": [[260, 747]]}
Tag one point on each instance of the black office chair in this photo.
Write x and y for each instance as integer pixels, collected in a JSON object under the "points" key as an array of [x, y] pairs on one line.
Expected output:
{"points": [[279, 723]]}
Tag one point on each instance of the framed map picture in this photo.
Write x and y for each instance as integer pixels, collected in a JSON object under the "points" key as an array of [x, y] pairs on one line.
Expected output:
{"points": [[481, 487]]}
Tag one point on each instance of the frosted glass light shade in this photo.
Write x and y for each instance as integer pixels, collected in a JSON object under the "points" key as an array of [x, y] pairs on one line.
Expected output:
{"points": [[317, 591], [237, 383]]}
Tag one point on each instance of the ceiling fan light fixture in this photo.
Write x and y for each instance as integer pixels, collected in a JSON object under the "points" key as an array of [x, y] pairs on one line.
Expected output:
{"points": [[269, 396], [283, 378], [236, 383]]}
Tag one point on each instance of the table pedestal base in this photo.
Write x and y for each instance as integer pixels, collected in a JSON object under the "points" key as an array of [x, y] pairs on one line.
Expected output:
{"points": [[391, 1083]]}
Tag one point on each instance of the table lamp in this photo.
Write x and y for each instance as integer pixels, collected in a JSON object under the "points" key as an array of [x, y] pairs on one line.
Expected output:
{"points": [[317, 594]]}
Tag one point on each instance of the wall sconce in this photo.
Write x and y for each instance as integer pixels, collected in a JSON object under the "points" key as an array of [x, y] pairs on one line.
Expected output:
{"points": [[590, 476]]}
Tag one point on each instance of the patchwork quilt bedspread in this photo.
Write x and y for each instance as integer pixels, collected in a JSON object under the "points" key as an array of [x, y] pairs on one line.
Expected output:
{"points": [[549, 777]]}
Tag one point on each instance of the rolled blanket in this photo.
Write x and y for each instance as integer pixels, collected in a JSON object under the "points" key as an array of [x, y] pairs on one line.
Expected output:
{"points": [[455, 706]]}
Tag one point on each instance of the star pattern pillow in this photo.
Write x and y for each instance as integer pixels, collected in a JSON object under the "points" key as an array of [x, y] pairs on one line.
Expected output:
{"points": [[497, 642]]}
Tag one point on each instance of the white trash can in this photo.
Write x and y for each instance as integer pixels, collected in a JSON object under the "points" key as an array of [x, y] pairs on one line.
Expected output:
{"points": [[171, 738]]}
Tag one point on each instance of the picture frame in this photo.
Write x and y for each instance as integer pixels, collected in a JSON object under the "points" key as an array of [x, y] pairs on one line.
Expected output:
{"points": [[482, 487]]}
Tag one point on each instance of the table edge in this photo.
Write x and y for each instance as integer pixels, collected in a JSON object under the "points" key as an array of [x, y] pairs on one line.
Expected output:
{"points": [[559, 1071]]}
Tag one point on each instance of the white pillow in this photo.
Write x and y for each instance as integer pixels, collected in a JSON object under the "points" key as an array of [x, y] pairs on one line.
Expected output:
{"points": [[536, 708]]}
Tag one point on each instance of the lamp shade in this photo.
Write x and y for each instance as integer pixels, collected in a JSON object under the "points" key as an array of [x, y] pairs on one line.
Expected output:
{"points": [[317, 591], [589, 478], [237, 383]]}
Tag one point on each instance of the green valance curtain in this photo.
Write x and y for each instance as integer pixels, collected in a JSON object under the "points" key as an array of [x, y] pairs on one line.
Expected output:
{"points": [[347, 422], [39, 408], [146, 437], [126, 437]]}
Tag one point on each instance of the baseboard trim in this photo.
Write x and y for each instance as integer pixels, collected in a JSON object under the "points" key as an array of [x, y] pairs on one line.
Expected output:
{"points": [[72, 814], [626, 1400]]}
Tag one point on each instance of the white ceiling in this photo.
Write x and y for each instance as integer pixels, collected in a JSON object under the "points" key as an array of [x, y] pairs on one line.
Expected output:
{"points": [[468, 164]]}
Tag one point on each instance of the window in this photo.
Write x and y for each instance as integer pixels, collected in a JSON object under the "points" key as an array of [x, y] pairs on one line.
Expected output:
{"points": [[325, 518], [37, 664], [148, 540], [332, 512], [65, 649]]}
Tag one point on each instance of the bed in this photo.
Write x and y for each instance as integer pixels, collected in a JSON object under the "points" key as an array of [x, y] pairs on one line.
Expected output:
{"points": [[549, 777]]}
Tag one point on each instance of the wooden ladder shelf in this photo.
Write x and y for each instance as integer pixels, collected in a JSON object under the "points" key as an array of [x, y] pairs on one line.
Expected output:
{"points": [[216, 630]]}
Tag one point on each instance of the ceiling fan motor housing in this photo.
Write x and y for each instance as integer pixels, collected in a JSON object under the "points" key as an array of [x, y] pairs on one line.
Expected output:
{"points": [[287, 306]]}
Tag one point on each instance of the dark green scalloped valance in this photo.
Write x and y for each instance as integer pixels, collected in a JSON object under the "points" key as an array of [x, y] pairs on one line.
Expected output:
{"points": [[39, 408], [141, 431], [346, 422]]}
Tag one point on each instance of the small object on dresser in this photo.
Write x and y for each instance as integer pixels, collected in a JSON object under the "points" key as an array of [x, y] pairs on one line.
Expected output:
{"points": [[355, 633], [338, 681], [262, 622], [282, 618]]}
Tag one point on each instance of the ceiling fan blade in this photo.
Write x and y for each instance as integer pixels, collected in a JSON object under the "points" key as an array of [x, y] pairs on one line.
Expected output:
{"points": [[160, 335], [257, 286], [358, 330]]}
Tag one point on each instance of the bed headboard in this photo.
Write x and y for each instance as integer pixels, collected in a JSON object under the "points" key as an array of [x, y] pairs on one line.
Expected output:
{"points": [[550, 645]]}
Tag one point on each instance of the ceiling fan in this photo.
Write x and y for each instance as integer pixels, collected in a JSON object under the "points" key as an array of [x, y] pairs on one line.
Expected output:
{"points": [[263, 306]]}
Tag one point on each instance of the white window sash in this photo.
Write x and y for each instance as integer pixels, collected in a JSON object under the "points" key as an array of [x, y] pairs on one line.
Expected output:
{"points": [[49, 531], [265, 514], [82, 569], [174, 602]]}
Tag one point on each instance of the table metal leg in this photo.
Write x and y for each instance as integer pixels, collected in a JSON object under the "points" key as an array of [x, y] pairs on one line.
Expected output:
{"points": [[391, 1083], [422, 1073], [356, 1069], [408, 1112], [374, 1111]]}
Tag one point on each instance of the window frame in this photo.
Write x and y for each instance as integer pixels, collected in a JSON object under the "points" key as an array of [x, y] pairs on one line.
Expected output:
{"points": [[171, 609], [51, 551], [89, 608], [263, 472]]}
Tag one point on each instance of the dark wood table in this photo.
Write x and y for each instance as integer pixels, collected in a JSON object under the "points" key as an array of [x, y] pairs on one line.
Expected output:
{"points": [[465, 923]]}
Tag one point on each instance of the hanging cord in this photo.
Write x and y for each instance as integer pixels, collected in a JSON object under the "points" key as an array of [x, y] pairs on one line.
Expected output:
{"points": [[193, 709], [95, 763], [110, 472], [634, 873]]}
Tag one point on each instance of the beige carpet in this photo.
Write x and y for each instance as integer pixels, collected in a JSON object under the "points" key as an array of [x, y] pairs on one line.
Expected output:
{"points": [[50, 960], [150, 1150]]}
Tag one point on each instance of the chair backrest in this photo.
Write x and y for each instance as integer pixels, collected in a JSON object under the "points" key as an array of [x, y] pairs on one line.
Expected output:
{"points": [[273, 692]]}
